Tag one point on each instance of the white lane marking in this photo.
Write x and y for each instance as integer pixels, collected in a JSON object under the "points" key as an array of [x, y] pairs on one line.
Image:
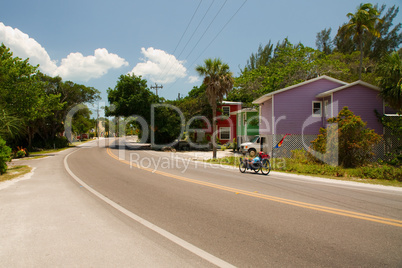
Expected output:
{"points": [[184, 244]]}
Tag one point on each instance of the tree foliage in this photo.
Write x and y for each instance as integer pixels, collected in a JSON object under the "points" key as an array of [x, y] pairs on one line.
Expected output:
{"points": [[374, 46], [132, 97], [33, 105], [355, 140], [390, 80], [261, 57], [5, 156], [362, 23], [219, 82], [289, 64], [324, 42]]}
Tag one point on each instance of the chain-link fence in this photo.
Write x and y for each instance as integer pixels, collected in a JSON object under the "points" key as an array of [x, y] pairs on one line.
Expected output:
{"points": [[290, 143], [387, 144]]}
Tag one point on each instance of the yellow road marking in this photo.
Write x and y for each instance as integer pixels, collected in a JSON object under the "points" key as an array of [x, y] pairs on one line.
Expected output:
{"points": [[336, 211]]}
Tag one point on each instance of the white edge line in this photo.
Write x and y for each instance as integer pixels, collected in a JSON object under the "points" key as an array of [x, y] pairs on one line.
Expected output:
{"points": [[184, 244]]}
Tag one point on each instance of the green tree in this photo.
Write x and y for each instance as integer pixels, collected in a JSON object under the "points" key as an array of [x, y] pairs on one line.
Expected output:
{"points": [[130, 97], [195, 104], [10, 126], [355, 140], [219, 82], [390, 35], [71, 94], [374, 47], [5, 156], [390, 80], [360, 23], [82, 122], [291, 64], [324, 42], [21, 92], [261, 57]]}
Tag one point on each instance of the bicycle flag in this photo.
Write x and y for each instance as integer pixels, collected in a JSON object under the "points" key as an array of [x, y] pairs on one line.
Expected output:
{"points": [[280, 143]]}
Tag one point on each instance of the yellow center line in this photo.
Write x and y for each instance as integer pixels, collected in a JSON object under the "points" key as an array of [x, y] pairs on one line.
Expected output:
{"points": [[336, 211]]}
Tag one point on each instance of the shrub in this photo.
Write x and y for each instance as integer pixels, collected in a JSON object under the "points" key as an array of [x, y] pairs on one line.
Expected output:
{"points": [[20, 154], [5, 156], [61, 142], [300, 156], [355, 141]]}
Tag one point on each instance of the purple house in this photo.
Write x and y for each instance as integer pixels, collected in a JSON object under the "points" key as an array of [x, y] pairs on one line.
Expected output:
{"points": [[300, 110]]}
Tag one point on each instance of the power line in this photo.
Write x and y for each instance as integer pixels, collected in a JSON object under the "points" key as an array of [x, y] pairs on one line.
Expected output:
{"points": [[188, 25], [224, 26], [196, 28], [206, 29], [181, 38]]}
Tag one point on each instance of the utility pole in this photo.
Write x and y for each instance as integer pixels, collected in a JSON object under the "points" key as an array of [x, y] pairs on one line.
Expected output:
{"points": [[156, 87]]}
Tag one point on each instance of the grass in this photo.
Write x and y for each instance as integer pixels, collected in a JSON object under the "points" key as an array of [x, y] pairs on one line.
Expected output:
{"points": [[52, 151], [14, 172], [373, 174], [17, 171]]}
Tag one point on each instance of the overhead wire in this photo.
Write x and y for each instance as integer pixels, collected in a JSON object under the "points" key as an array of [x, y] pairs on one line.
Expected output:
{"points": [[224, 26], [206, 29], [181, 38], [196, 28]]}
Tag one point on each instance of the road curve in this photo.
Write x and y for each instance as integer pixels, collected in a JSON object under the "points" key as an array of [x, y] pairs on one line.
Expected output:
{"points": [[250, 219]]}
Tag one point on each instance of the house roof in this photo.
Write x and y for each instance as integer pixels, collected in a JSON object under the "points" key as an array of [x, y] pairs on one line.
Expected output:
{"points": [[244, 110], [358, 82], [232, 103], [269, 95]]}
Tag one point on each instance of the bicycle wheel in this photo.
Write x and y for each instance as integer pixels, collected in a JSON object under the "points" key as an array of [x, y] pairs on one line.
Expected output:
{"points": [[266, 167], [256, 170], [242, 167]]}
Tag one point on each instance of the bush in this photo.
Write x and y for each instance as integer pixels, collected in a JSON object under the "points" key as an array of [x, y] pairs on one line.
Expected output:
{"points": [[55, 143], [5, 156], [20, 154], [355, 141]]}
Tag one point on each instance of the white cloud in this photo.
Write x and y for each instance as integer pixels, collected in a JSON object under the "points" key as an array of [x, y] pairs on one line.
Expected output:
{"points": [[24, 47], [74, 67], [159, 66], [192, 79]]}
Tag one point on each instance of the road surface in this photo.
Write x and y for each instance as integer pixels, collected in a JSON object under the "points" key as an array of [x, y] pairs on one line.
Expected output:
{"points": [[246, 219]]}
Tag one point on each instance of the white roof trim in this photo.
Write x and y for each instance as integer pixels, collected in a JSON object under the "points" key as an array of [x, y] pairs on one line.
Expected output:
{"points": [[266, 97], [358, 82], [232, 102], [392, 115], [245, 110]]}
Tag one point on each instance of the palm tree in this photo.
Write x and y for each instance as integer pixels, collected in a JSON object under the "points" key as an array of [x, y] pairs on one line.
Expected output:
{"points": [[364, 20], [219, 81], [10, 126], [390, 80]]}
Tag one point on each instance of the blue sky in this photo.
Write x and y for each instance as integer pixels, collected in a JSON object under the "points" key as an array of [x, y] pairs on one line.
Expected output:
{"points": [[94, 42]]}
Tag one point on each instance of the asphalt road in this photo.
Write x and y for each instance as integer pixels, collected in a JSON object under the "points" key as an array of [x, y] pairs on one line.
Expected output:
{"points": [[249, 220]]}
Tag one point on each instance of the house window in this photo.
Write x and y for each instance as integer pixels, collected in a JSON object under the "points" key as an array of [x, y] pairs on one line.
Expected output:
{"points": [[226, 110], [224, 133], [317, 108]]}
